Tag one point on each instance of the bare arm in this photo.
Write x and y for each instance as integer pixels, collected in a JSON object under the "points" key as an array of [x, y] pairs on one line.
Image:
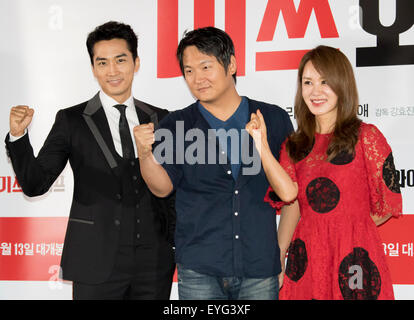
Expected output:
{"points": [[281, 183], [289, 219], [380, 220], [278, 178], [152, 172], [155, 176]]}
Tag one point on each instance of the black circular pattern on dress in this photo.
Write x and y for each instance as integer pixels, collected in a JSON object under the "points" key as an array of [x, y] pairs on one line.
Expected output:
{"points": [[322, 194], [343, 158], [389, 174], [365, 286], [274, 197], [297, 260]]}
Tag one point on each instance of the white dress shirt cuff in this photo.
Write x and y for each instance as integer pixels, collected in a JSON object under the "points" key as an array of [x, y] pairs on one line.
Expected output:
{"points": [[13, 138]]}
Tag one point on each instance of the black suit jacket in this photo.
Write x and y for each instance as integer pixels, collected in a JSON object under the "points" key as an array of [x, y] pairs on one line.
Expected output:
{"points": [[93, 231]]}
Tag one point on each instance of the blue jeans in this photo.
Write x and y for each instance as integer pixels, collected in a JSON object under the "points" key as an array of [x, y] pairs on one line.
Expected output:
{"points": [[196, 286]]}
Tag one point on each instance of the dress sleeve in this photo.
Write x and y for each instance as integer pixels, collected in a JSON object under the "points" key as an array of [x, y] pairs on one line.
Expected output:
{"points": [[287, 164], [385, 194]]}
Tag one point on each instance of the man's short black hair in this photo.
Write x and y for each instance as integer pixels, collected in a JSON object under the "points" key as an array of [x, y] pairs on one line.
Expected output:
{"points": [[113, 30], [211, 41]]}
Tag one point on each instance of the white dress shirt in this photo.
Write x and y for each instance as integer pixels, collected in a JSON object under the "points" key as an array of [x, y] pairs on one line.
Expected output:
{"points": [[113, 115]]}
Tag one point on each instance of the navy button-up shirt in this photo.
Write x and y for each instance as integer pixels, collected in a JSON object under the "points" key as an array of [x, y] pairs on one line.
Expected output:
{"points": [[237, 121], [223, 227]]}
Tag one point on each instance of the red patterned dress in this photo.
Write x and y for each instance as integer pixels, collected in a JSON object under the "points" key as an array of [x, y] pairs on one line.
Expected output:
{"points": [[336, 252]]}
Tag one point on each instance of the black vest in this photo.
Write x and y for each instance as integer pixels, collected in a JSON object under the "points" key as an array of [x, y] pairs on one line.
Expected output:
{"points": [[140, 224]]}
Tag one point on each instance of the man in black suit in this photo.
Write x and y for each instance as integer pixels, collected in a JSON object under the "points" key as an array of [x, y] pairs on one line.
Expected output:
{"points": [[118, 242]]}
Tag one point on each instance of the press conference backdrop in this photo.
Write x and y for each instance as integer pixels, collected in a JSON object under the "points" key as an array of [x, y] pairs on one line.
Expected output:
{"points": [[44, 64]]}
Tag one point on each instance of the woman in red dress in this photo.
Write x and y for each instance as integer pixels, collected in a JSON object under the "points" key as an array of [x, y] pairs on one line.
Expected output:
{"points": [[347, 186]]}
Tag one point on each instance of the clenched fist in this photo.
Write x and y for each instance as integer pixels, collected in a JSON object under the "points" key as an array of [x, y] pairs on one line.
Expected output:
{"points": [[20, 118], [257, 129], [144, 138]]}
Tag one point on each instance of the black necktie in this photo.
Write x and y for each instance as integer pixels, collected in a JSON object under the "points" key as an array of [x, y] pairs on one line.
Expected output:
{"points": [[126, 140]]}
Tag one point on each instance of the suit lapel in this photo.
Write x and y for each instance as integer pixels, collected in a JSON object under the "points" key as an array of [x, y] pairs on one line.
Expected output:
{"points": [[145, 113], [97, 122], [101, 121], [142, 116]]}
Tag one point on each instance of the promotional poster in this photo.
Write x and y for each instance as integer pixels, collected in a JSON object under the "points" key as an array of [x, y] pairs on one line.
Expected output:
{"points": [[45, 65]]}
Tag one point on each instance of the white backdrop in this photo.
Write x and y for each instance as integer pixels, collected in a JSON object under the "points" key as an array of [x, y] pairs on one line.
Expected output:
{"points": [[45, 64]]}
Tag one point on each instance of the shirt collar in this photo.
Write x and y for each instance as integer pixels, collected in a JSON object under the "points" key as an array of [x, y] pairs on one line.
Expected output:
{"points": [[108, 102], [238, 119]]}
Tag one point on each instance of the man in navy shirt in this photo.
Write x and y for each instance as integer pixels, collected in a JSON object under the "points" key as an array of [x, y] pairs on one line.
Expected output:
{"points": [[226, 236]]}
